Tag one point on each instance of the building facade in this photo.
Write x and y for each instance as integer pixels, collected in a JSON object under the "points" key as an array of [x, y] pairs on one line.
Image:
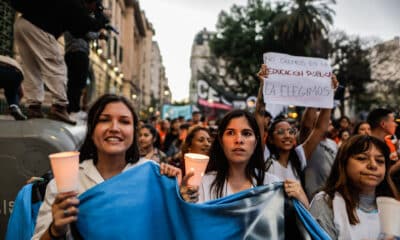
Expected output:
{"points": [[159, 89], [121, 64], [385, 64], [210, 85]]}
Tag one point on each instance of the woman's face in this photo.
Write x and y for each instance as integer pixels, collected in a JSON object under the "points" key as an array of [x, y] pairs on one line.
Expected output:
{"points": [[284, 136], [146, 139], [114, 132], [366, 170], [345, 135], [364, 129], [200, 143], [238, 141], [175, 125], [344, 123]]}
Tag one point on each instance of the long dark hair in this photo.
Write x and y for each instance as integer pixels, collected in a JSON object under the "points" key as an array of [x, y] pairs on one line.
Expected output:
{"points": [[293, 158], [219, 163], [154, 133], [338, 181], [187, 143], [357, 127], [88, 149]]}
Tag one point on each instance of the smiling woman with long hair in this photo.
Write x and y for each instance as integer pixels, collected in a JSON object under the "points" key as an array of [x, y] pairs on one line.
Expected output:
{"points": [[198, 140], [110, 147]]}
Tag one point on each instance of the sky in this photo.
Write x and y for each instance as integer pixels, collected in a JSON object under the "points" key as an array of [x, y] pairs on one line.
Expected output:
{"points": [[176, 22]]}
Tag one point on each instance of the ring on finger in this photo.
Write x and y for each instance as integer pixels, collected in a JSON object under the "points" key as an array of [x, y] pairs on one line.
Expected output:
{"points": [[66, 213]]}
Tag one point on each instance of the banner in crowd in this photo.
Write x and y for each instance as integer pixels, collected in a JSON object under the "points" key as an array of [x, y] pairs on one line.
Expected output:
{"points": [[142, 204], [210, 97], [172, 111], [300, 81]]}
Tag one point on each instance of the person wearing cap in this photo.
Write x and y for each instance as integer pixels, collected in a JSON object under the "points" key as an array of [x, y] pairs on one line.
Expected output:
{"points": [[11, 76]]}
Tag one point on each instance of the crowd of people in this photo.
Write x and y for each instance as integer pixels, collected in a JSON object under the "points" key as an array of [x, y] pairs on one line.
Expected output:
{"points": [[335, 168], [337, 179]]}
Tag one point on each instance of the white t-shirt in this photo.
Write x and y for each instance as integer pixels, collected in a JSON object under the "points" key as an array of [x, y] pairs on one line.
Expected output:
{"points": [[368, 228], [284, 173], [207, 180]]}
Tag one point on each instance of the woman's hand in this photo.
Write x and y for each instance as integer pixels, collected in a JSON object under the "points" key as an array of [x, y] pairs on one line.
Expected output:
{"points": [[263, 72], [189, 193], [171, 171], [64, 211], [294, 189], [34, 179]]}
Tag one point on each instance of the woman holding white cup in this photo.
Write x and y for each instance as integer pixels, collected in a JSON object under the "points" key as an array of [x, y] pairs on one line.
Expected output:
{"points": [[346, 208], [236, 160], [110, 147], [194, 149]]}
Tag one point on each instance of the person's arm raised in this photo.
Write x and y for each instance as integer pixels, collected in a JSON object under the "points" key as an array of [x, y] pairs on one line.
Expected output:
{"points": [[307, 123], [320, 127], [260, 104]]}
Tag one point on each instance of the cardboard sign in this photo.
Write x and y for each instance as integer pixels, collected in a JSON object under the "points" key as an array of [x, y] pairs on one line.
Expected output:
{"points": [[300, 81]]}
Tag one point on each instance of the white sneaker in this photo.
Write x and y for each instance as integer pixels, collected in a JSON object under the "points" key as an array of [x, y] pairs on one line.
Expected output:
{"points": [[80, 117]]}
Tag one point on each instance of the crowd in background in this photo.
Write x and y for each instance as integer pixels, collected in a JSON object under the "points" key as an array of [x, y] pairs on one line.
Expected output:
{"points": [[335, 167], [337, 178], [171, 133]]}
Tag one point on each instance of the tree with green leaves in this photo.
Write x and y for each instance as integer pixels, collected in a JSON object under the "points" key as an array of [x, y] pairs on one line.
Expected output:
{"points": [[303, 26], [352, 68], [243, 35], [246, 32]]}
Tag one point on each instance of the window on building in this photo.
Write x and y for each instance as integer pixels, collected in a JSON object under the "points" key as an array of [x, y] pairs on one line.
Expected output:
{"points": [[115, 47], [121, 56]]}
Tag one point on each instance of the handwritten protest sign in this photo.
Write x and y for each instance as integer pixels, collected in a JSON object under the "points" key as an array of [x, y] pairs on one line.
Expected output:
{"points": [[300, 81]]}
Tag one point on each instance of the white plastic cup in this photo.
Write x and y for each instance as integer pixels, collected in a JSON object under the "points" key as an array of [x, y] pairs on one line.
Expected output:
{"points": [[65, 166], [389, 215], [196, 163]]}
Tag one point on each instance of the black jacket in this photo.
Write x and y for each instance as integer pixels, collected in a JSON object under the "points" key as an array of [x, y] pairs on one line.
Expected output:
{"points": [[58, 16]]}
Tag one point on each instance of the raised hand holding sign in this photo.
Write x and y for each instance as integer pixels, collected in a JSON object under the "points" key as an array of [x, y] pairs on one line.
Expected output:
{"points": [[300, 81]]}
